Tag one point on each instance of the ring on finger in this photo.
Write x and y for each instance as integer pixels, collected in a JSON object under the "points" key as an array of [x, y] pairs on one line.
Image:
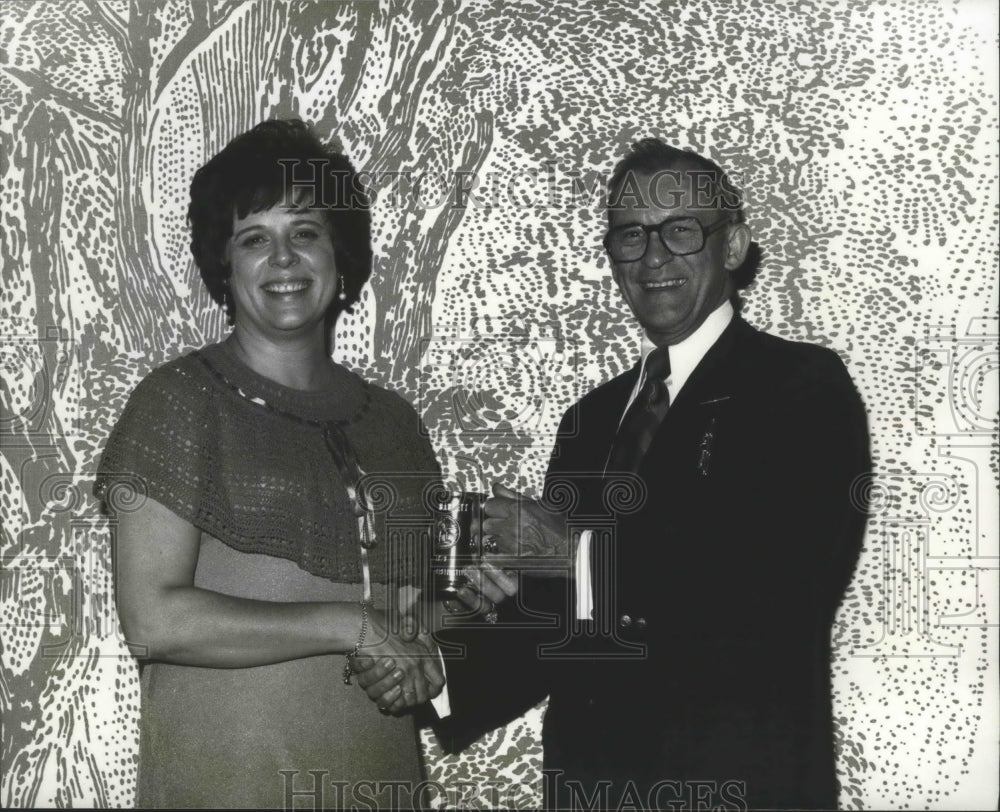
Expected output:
{"points": [[490, 545]]}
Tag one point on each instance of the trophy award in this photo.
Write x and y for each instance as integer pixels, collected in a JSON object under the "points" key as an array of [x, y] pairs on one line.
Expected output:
{"points": [[455, 545]]}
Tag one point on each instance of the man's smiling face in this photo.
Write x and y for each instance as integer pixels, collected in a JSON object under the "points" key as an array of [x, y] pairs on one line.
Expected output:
{"points": [[672, 295]]}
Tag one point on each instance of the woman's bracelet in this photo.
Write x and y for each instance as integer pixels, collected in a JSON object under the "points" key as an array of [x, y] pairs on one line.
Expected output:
{"points": [[357, 646]]}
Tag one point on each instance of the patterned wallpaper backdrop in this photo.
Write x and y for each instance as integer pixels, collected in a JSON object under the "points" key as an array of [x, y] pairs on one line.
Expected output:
{"points": [[864, 133]]}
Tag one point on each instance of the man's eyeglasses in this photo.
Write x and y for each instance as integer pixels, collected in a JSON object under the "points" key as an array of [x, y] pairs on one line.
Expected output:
{"points": [[680, 235]]}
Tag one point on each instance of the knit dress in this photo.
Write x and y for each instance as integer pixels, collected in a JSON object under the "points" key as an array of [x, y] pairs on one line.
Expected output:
{"points": [[247, 462]]}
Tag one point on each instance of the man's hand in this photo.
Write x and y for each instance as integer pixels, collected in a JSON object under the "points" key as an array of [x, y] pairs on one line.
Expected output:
{"points": [[399, 671], [519, 535], [486, 586], [522, 534]]}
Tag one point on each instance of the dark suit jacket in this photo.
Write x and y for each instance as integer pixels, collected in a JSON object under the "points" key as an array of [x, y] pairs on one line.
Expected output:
{"points": [[705, 675]]}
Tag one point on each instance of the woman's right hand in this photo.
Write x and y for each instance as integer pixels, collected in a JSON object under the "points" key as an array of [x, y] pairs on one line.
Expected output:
{"points": [[396, 668]]}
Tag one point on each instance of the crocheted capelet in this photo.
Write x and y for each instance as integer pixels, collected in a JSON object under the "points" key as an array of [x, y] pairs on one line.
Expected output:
{"points": [[244, 459]]}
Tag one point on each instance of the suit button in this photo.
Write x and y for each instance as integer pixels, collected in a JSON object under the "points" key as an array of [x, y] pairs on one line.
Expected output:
{"points": [[640, 623], [625, 621]]}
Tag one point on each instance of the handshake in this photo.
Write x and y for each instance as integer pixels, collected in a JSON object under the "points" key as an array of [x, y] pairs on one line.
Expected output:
{"points": [[402, 669]]}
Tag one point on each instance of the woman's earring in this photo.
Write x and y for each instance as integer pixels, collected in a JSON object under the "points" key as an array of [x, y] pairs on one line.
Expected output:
{"points": [[228, 303], [342, 295]]}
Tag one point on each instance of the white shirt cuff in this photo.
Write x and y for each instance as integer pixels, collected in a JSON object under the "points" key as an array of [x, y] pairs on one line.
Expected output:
{"points": [[441, 703], [584, 588]]}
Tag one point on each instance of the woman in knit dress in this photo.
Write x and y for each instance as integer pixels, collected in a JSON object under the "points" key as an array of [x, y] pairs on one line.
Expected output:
{"points": [[249, 557]]}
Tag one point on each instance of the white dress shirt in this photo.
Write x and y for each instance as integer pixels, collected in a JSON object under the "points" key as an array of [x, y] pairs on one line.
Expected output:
{"points": [[684, 358]]}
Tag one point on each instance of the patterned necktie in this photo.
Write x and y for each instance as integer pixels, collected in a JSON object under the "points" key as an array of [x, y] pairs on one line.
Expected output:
{"points": [[643, 417]]}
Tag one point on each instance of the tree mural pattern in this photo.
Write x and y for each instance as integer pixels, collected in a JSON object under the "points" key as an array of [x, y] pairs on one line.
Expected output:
{"points": [[863, 133]]}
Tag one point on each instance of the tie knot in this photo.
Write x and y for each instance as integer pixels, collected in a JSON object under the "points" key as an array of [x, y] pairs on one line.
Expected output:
{"points": [[658, 364]]}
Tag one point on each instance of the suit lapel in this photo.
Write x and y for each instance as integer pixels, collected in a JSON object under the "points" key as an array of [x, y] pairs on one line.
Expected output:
{"points": [[715, 372], [597, 420], [609, 412], [709, 389]]}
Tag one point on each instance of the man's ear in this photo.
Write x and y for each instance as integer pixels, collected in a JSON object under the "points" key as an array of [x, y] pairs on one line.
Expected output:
{"points": [[737, 245]]}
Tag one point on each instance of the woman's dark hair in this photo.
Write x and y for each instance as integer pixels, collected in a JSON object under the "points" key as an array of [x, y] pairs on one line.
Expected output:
{"points": [[275, 161], [650, 155]]}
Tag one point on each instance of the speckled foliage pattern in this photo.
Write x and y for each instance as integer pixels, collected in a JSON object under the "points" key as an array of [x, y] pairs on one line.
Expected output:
{"points": [[864, 134]]}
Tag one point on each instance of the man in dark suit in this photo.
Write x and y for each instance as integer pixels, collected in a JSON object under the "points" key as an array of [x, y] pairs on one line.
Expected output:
{"points": [[680, 576]]}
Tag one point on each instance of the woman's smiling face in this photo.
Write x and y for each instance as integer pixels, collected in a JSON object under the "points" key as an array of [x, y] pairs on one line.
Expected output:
{"points": [[284, 273]]}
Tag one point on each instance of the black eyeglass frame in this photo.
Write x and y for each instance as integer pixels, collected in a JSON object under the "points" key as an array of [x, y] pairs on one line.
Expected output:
{"points": [[658, 228]]}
